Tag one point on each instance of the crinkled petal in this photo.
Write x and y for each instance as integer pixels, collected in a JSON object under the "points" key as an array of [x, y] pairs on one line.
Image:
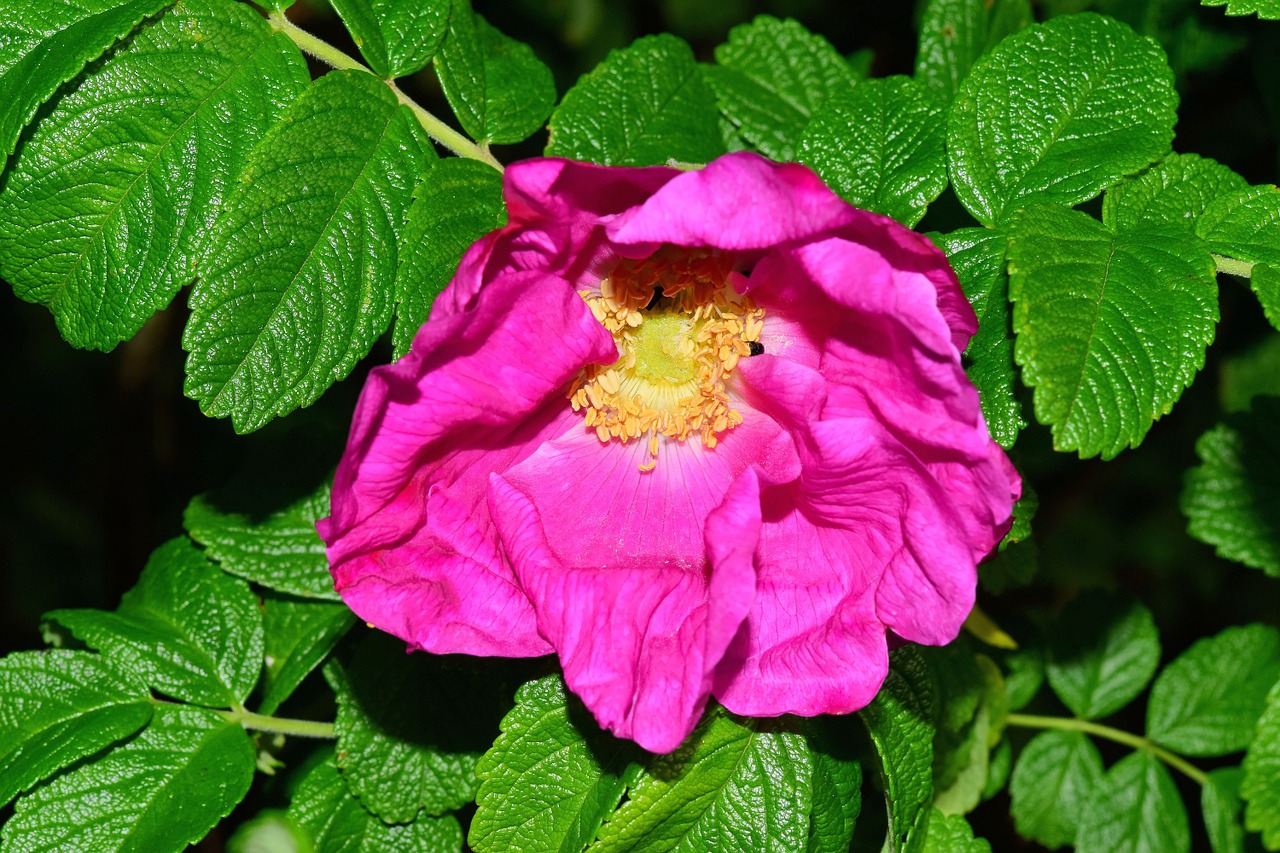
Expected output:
{"points": [[738, 202], [638, 642]]}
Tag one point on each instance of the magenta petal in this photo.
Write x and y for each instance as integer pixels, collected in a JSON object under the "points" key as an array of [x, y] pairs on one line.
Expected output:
{"points": [[637, 642]]}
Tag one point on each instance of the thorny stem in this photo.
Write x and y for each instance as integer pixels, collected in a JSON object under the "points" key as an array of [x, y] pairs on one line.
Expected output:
{"points": [[435, 128], [1230, 266], [1177, 762]]}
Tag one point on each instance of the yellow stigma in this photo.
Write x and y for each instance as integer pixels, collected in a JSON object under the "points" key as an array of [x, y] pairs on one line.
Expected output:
{"points": [[680, 330]]}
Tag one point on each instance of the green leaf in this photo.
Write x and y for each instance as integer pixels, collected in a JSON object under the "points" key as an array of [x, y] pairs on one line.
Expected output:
{"points": [[1248, 374], [1052, 782], [186, 629], [299, 636], [1246, 226], [396, 37], [1111, 326], [1056, 113], [457, 203], [836, 783], [900, 721], [301, 278], [499, 90], [60, 706], [544, 785], [644, 105], [1220, 802], [409, 731], [1260, 788], [881, 146], [771, 77], [1208, 700], [270, 831], [1135, 807], [978, 257], [1268, 10], [1176, 191], [280, 549], [954, 33], [952, 834], [47, 42], [735, 785], [339, 824], [108, 204], [1232, 499], [1102, 653], [159, 792]]}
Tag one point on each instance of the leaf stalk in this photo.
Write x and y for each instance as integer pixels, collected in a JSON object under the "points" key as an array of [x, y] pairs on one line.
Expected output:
{"points": [[1071, 724]]}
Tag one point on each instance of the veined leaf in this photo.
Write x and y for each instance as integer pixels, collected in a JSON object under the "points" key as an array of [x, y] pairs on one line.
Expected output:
{"points": [[954, 33], [1111, 327], [298, 635], [837, 786], [186, 629], [772, 76], [1102, 653], [300, 281], [1260, 787], [544, 785], [1135, 807], [1057, 112], [60, 706], [881, 147], [1221, 805], [339, 824], [1177, 191], [1246, 226], [160, 792], [952, 834], [109, 202], [47, 42], [498, 88], [731, 787], [1268, 10], [1232, 499], [644, 105], [396, 37], [1052, 781]]}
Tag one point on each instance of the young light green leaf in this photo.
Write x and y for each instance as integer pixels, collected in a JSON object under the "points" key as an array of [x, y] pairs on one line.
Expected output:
{"points": [[110, 199], [900, 721], [159, 792], [952, 834], [298, 635], [457, 203], [47, 42], [1221, 805], [771, 77], [881, 147], [1268, 10], [1232, 499], [1260, 787], [409, 731], [1102, 652], [60, 706], [499, 90], [339, 824], [1135, 807], [1208, 700], [1246, 226], [644, 105], [954, 33], [1111, 327], [301, 278], [837, 783], [396, 37], [1056, 113], [1052, 782], [544, 785], [186, 629], [278, 549], [978, 257], [1177, 190], [735, 785]]}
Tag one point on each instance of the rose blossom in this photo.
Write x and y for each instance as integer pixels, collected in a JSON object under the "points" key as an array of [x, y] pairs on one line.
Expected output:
{"points": [[698, 433]]}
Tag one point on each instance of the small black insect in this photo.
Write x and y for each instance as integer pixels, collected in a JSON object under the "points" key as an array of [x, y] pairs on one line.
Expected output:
{"points": [[754, 348]]}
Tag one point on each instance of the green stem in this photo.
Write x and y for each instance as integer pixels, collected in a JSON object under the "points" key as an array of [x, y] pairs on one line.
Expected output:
{"points": [[280, 725], [435, 128], [1230, 266], [1177, 762]]}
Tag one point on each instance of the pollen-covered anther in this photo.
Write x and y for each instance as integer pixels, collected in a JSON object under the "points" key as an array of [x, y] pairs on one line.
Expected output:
{"points": [[680, 331]]}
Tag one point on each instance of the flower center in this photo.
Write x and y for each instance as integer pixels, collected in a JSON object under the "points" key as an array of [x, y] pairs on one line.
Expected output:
{"points": [[680, 330]]}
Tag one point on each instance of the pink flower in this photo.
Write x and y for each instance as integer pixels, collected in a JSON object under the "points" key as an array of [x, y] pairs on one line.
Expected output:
{"points": [[697, 433]]}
